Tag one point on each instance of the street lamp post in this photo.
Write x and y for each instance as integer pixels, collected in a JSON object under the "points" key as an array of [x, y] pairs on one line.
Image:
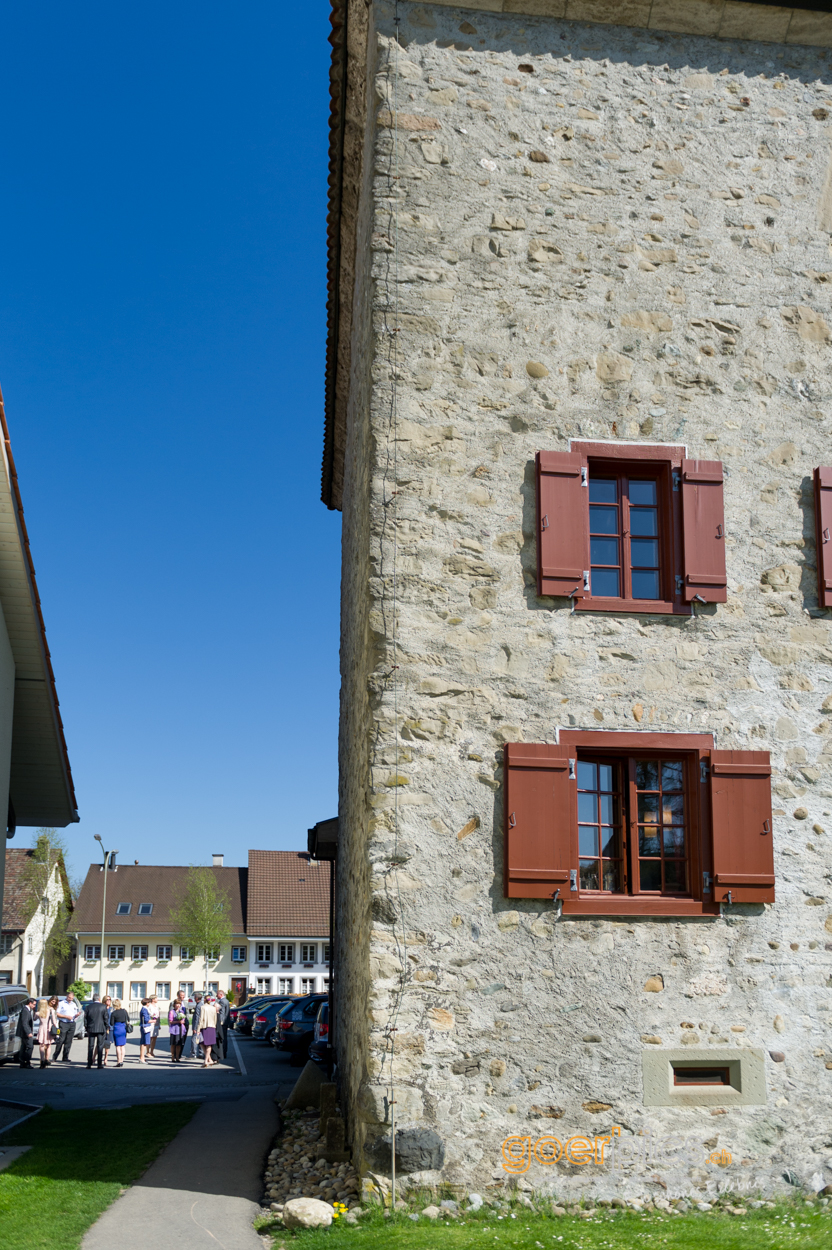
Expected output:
{"points": [[108, 855]]}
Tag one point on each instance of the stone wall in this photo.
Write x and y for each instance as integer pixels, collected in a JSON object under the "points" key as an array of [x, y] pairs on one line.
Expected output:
{"points": [[582, 232]]}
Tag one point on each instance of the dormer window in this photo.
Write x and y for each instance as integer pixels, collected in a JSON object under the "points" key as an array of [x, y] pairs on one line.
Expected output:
{"points": [[145, 909], [123, 909]]}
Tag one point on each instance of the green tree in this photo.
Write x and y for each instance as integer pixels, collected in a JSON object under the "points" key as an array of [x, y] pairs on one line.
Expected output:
{"points": [[202, 915], [48, 903], [81, 989]]}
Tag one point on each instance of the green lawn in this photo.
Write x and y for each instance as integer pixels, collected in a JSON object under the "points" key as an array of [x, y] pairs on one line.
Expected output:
{"points": [[79, 1163], [790, 1225]]}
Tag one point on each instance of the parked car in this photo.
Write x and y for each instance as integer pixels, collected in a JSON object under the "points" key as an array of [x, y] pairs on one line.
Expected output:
{"points": [[319, 1049], [246, 1014], [263, 1024], [295, 1028], [12, 998]]}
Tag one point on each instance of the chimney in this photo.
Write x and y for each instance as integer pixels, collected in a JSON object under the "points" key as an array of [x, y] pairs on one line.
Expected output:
{"points": [[218, 860]]}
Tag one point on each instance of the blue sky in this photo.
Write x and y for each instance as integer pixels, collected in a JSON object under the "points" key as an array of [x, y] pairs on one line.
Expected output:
{"points": [[162, 320]]}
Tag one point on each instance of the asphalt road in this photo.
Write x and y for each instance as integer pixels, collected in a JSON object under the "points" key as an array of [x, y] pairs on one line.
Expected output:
{"points": [[250, 1066]]}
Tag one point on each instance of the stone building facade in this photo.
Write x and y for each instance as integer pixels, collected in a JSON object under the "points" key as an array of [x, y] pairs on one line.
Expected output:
{"points": [[605, 248]]}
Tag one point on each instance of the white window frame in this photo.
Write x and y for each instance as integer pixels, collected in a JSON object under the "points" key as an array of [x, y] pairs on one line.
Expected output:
{"points": [[92, 952], [7, 941], [307, 985], [213, 955], [213, 986], [123, 909], [113, 954], [162, 989], [30, 945], [309, 952], [115, 989], [285, 985], [287, 953], [327, 956], [145, 909], [264, 953], [186, 954], [325, 985], [138, 958], [239, 954], [188, 987], [143, 994], [264, 985], [164, 958]]}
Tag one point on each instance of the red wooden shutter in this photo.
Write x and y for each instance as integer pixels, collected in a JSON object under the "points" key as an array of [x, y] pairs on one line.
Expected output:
{"points": [[562, 524], [743, 861], [823, 529], [539, 821], [703, 531]]}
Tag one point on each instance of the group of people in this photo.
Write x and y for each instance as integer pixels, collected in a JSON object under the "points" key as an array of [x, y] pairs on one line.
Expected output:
{"points": [[51, 1022]]}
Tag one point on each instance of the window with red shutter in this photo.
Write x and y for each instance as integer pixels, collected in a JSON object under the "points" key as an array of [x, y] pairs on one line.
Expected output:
{"points": [[538, 820], [630, 528], [743, 849], [617, 823], [823, 530]]}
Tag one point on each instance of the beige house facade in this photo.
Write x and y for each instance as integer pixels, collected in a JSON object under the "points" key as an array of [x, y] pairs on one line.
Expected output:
{"points": [[578, 424]]}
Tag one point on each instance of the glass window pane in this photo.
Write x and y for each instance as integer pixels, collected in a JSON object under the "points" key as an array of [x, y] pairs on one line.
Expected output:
{"points": [[644, 553], [586, 775], [674, 875], [587, 808], [650, 874], [609, 841], [647, 774], [645, 585], [648, 809], [673, 809], [603, 550], [607, 802], [604, 583], [587, 839], [606, 777], [642, 493], [589, 874], [644, 522], [603, 520], [674, 840], [603, 490], [649, 841], [611, 876], [672, 774]]}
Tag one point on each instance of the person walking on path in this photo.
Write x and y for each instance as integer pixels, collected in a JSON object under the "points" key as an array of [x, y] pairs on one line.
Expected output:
{"points": [[26, 1031], [155, 1023], [223, 1012], [208, 1029], [96, 1024], [146, 1031], [68, 1012], [177, 1027], [119, 1023], [108, 1036], [47, 1028]]}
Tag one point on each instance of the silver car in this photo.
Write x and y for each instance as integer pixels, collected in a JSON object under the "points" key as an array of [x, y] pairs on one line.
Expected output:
{"points": [[12, 998]]}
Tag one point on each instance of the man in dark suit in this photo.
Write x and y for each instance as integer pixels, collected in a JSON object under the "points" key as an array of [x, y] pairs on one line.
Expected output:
{"points": [[26, 1032], [95, 1024]]}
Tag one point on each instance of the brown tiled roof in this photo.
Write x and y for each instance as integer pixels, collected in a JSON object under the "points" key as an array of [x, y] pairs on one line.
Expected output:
{"points": [[16, 893], [159, 884], [288, 895]]}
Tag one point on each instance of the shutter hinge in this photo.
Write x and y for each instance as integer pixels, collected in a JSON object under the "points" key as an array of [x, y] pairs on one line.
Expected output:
{"points": [[573, 879], [680, 583], [703, 770], [586, 579], [677, 479], [720, 531], [572, 773], [706, 883], [766, 826], [826, 535], [584, 477], [544, 524]]}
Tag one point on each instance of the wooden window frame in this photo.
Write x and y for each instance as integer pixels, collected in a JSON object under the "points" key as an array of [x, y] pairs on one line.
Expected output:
{"points": [[693, 749]]}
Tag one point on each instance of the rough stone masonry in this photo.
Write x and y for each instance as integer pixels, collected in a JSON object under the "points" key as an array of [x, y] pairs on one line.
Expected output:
{"points": [[564, 231]]}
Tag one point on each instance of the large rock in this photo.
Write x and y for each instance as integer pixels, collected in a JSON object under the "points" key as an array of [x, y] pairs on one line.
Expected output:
{"points": [[307, 1213], [307, 1090], [417, 1150]]}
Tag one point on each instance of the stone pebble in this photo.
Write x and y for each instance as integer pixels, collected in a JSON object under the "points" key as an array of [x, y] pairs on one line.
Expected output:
{"points": [[294, 1168]]}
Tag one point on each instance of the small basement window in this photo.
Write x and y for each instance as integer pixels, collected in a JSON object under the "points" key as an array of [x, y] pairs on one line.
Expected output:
{"points": [[701, 1076]]}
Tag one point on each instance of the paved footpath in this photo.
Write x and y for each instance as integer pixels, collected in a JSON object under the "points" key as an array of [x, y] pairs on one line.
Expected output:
{"points": [[203, 1190]]}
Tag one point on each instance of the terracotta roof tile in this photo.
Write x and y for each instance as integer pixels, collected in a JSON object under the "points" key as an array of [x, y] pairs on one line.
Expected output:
{"points": [[159, 884], [288, 895]]}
